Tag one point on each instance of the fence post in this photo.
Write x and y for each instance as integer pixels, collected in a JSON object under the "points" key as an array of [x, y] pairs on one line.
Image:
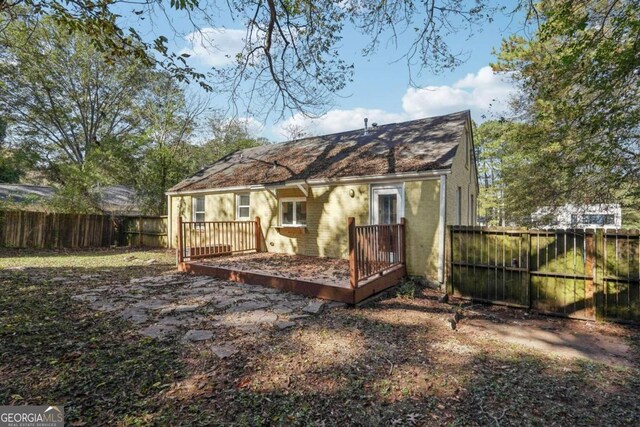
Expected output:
{"points": [[526, 280], [589, 293], [598, 273], [180, 247], [353, 270], [258, 231], [403, 244]]}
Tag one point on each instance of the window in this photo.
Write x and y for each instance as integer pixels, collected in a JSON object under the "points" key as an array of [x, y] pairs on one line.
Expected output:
{"points": [[472, 211], [293, 212], [242, 206], [459, 206], [198, 209], [598, 219]]}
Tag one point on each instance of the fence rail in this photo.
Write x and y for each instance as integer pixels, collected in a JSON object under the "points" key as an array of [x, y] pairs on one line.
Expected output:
{"points": [[26, 229], [29, 229], [204, 239], [149, 231], [374, 249], [589, 274]]}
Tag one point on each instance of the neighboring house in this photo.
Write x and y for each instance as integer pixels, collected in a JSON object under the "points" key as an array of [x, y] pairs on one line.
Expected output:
{"points": [[579, 216], [115, 199], [304, 190]]}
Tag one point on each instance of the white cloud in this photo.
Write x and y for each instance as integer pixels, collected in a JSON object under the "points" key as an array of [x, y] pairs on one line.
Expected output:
{"points": [[253, 126], [215, 47], [484, 93], [337, 121]]}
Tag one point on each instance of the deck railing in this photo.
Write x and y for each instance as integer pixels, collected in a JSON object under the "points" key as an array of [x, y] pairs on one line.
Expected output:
{"points": [[374, 249], [204, 239]]}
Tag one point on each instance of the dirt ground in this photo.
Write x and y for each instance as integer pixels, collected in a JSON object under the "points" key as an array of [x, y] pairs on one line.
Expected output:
{"points": [[394, 362], [313, 269]]}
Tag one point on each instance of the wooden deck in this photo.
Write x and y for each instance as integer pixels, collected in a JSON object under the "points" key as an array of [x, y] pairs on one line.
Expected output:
{"points": [[335, 291], [376, 259]]}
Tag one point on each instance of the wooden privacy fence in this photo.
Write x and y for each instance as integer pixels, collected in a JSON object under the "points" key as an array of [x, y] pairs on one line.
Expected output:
{"points": [[203, 239], [149, 231], [588, 274], [374, 249], [24, 229]]}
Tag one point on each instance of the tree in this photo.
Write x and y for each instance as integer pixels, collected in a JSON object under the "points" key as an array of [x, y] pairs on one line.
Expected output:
{"points": [[291, 59], [72, 111], [168, 155], [227, 136], [492, 147], [578, 136]]}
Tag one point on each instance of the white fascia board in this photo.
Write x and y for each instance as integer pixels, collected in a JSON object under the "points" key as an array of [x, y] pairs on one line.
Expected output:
{"points": [[395, 177]]}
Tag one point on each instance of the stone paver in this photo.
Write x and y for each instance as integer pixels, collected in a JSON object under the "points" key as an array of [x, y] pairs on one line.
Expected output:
{"points": [[200, 309], [223, 350], [198, 335], [249, 306], [285, 324], [135, 315], [314, 307], [158, 331]]}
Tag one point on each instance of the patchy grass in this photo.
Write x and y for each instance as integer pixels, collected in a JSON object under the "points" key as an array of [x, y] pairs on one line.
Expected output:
{"points": [[393, 363]]}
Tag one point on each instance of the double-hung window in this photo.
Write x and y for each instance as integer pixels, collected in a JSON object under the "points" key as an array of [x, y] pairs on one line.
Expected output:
{"points": [[293, 212], [198, 209], [242, 207]]}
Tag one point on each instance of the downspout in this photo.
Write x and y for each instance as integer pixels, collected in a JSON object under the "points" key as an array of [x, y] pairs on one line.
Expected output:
{"points": [[442, 227]]}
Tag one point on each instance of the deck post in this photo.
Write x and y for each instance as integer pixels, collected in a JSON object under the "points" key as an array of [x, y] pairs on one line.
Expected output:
{"points": [[258, 232], [403, 243], [353, 270], [180, 247]]}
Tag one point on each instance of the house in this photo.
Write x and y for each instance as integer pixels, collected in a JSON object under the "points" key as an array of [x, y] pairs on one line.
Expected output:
{"points": [[606, 216], [304, 190], [114, 199]]}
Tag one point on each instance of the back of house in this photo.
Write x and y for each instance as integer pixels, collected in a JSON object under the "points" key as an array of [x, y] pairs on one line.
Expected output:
{"points": [[304, 190]]}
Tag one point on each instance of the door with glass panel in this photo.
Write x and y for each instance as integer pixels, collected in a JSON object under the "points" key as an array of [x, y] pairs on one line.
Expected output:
{"points": [[387, 207]]}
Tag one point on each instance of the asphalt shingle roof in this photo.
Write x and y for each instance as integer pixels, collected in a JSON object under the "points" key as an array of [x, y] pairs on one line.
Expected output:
{"points": [[414, 146]]}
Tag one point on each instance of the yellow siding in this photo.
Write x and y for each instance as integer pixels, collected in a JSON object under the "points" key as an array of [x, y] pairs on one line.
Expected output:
{"points": [[327, 211], [328, 208], [180, 205], [463, 176], [422, 213]]}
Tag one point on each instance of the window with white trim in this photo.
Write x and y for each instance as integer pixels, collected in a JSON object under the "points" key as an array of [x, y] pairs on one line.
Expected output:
{"points": [[242, 206], [198, 209], [293, 212], [459, 206]]}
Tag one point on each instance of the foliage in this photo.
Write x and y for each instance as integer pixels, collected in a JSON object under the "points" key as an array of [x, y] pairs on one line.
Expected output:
{"points": [[227, 136], [167, 155], [406, 289], [63, 99], [579, 75], [87, 122], [492, 144], [290, 60]]}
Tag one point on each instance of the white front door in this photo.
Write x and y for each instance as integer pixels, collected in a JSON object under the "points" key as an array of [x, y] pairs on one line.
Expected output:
{"points": [[387, 204]]}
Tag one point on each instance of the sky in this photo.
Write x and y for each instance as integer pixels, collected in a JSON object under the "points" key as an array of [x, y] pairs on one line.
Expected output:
{"points": [[381, 89]]}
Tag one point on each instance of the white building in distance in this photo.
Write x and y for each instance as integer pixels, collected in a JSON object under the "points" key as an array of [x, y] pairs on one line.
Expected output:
{"points": [[579, 216]]}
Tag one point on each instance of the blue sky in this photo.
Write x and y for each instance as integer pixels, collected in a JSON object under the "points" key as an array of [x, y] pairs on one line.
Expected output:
{"points": [[380, 89]]}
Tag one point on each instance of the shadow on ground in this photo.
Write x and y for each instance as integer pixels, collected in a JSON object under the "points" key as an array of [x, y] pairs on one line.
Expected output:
{"points": [[392, 363]]}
